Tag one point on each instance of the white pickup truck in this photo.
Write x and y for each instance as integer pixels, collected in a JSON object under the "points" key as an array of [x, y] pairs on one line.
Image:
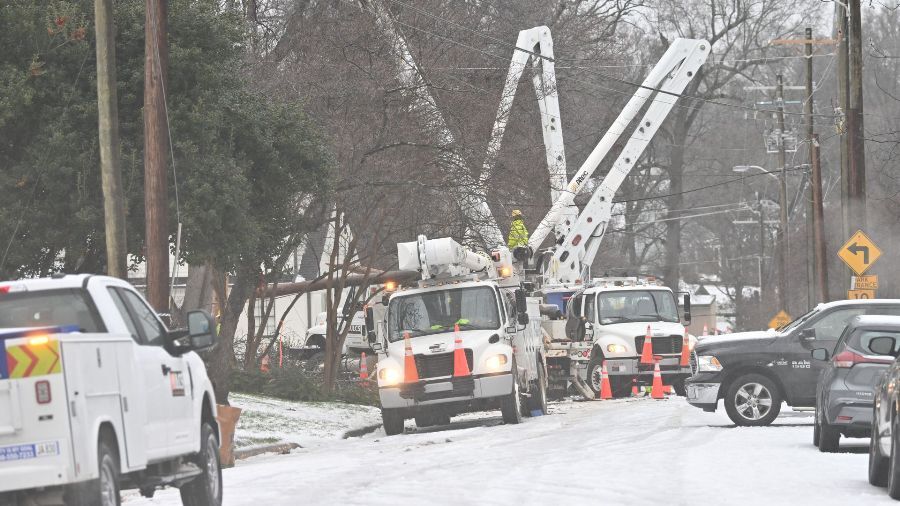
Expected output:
{"points": [[97, 395]]}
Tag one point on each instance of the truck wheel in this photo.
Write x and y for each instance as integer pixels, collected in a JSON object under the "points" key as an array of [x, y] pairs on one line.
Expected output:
{"points": [[594, 374], [538, 399], [425, 420], [206, 489], [104, 491], [878, 463], [392, 419], [511, 404], [680, 389], [752, 400]]}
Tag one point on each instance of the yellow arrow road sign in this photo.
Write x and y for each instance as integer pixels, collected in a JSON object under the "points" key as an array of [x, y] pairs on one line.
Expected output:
{"points": [[780, 320], [859, 253]]}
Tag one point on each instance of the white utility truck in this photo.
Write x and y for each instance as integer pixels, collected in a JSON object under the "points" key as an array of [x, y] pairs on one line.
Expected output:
{"points": [[608, 320], [97, 395], [499, 337]]}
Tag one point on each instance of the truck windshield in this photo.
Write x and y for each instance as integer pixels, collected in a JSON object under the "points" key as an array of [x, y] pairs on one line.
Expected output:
{"points": [[636, 306], [48, 308], [437, 311]]}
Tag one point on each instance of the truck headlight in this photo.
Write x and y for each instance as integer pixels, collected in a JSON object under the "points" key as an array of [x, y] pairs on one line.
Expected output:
{"points": [[708, 363], [389, 376], [615, 348], [496, 363]]}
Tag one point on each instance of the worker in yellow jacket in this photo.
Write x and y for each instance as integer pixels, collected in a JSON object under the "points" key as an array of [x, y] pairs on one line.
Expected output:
{"points": [[518, 234]]}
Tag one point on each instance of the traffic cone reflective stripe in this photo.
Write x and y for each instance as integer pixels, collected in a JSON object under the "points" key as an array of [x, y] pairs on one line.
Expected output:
{"points": [[410, 374], [685, 350], [647, 351], [657, 391], [605, 389], [460, 364], [363, 367]]}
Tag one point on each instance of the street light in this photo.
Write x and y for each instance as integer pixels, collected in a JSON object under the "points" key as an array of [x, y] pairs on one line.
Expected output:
{"points": [[782, 229]]}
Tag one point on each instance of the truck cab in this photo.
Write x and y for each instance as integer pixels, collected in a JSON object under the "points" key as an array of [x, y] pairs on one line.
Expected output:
{"points": [[609, 320], [96, 394], [462, 340]]}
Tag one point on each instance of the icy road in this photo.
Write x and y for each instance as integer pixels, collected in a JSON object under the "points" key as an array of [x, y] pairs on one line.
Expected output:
{"points": [[639, 452]]}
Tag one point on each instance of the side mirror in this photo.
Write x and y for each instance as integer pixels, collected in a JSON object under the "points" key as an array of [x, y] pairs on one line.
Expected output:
{"points": [[883, 345], [376, 346], [820, 354], [201, 330], [522, 307], [370, 324], [687, 308]]}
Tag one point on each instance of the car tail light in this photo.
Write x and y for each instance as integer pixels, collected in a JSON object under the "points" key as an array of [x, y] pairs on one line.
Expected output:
{"points": [[848, 359], [42, 392]]}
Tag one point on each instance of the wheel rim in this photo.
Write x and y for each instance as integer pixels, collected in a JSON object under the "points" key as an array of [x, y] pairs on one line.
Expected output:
{"points": [[107, 483], [753, 401], [597, 378], [212, 467]]}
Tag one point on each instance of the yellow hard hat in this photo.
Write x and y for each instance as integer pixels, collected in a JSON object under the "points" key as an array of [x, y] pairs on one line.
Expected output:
{"points": [[516, 213]]}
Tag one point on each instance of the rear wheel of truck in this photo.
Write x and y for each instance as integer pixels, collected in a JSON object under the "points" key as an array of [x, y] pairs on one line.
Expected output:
{"points": [[392, 419], [206, 489], [104, 491], [538, 399], [511, 404], [752, 400]]}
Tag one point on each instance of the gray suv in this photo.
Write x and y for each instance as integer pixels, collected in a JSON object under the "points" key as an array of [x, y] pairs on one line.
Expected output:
{"points": [[845, 391]]}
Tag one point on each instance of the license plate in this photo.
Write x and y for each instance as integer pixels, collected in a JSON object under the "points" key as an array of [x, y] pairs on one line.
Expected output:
{"points": [[29, 451], [438, 387]]}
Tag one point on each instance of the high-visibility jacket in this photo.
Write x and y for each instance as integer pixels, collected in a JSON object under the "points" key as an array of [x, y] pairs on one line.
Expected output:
{"points": [[518, 234]]}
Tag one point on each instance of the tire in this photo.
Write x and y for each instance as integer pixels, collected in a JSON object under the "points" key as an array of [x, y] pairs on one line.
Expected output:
{"points": [[817, 430], [104, 491], [511, 405], [594, 369], [878, 463], [538, 399], [620, 386], [752, 387], [829, 438], [893, 484], [206, 489], [680, 389], [392, 419]]}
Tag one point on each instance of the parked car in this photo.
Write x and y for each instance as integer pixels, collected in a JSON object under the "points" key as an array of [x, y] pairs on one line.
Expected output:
{"points": [[884, 445], [754, 372], [845, 391]]}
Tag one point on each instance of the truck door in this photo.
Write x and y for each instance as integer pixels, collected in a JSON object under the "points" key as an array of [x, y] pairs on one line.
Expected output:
{"points": [[165, 375], [800, 372]]}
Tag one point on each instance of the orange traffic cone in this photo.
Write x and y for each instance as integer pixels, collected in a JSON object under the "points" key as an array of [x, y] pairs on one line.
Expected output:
{"points": [[410, 374], [685, 350], [634, 388], [647, 351], [460, 364], [363, 367], [657, 391], [264, 364], [605, 388]]}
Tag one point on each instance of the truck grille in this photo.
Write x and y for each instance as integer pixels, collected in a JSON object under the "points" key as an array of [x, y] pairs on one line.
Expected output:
{"points": [[662, 345], [439, 365], [693, 362]]}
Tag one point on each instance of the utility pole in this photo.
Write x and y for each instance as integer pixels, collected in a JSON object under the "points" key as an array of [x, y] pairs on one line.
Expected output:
{"points": [[843, 61], [762, 245], [855, 130], [156, 204], [783, 203], [816, 205], [108, 130]]}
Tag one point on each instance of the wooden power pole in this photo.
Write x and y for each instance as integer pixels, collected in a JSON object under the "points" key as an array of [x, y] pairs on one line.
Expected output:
{"points": [[108, 126], [782, 194], [155, 155], [855, 131], [841, 27], [816, 204]]}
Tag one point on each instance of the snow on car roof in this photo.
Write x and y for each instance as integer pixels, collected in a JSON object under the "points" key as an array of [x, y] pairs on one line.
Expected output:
{"points": [[54, 283], [875, 320]]}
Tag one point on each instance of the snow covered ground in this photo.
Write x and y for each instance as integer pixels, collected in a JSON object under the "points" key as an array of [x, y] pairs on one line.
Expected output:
{"points": [[625, 452]]}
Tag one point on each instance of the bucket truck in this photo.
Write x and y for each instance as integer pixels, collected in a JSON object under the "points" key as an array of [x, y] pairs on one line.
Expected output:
{"points": [[466, 338]]}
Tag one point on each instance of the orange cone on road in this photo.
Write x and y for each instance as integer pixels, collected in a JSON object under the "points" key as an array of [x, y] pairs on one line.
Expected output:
{"points": [[685, 350], [460, 364], [363, 367], [634, 388], [605, 388], [656, 391], [410, 374], [647, 351]]}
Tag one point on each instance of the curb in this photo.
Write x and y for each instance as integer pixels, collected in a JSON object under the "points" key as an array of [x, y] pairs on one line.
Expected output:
{"points": [[281, 448], [362, 431]]}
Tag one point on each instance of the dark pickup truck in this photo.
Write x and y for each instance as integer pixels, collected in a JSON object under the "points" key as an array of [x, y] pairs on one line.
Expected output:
{"points": [[753, 372]]}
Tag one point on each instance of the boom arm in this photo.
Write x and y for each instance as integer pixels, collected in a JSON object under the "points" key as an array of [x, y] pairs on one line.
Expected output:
{"points": [[576, 251], [670, 75]]}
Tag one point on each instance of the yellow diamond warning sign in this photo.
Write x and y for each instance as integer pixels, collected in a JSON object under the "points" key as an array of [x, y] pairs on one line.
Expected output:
{"points": [[780, 320], [859, 253]]}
